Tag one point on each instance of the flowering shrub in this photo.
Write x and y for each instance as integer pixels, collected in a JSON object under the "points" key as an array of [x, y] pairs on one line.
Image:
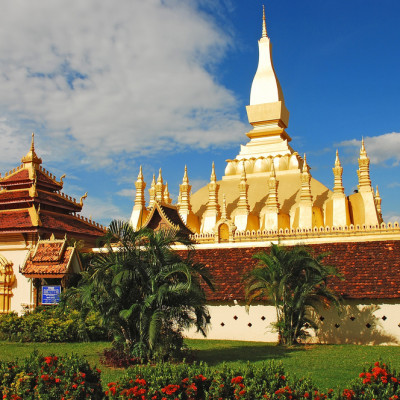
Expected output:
{"points": [[49, 378], [200, 382], [378, 382]]}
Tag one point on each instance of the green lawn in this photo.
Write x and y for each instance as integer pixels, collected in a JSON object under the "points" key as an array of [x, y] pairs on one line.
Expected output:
{"points": [[329, 366]]}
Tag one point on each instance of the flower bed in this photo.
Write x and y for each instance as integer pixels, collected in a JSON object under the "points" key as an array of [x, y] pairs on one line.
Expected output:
{"points": [[67, 378]]}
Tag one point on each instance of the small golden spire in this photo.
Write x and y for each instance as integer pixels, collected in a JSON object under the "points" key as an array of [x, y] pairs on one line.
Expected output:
{"points": [[364, 180], [223, 211], [140, 185], [31, 157], [159, 187], [185, 176], [264, 25], [167, 198], [305, 191], [378, 203], [306, 168], [213, 177], [152, 192], [337, 174], [243, 203]]}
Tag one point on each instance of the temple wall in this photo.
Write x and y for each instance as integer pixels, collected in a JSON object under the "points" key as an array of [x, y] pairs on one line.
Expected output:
{"points": [[360, 322], [21, 290]]}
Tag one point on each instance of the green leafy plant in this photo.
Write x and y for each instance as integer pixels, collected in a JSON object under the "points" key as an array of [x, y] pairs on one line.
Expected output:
{"points": [[49, 378], [144, 292], [51, 324], [294, 281]]}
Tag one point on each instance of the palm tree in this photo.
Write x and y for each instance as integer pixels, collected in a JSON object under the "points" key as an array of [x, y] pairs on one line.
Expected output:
{"points": [[145, 292], [294, 281]]}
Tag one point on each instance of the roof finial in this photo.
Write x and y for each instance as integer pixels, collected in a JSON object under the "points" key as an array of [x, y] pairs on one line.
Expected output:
{"points": [[264, 26], [33, 142]]}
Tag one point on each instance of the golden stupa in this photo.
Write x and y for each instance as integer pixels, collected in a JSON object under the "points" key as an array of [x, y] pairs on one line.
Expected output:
{"points": [[267, 189]]}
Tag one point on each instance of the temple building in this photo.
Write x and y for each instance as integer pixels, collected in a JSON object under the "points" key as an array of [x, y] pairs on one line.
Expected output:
{"points": [[268, 194], [36, 216]]}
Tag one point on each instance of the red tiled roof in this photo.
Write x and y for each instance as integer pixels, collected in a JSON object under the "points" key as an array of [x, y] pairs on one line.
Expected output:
{"points": [[42, 178], [7, 196], [68, 223], [46, 261], [16, 219], [57, 200], [20, 176], [371, 269]]}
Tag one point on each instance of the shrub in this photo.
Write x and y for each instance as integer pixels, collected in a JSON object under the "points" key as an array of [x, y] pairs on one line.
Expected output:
{"points": [[198, 382], [48, 378], [50, 324], [377, 382]]}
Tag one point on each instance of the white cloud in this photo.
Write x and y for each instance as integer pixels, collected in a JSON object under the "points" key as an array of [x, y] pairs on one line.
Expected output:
{"points": [[101, 210], [100, 79], [127, 193], [391, 217], [380, 149]]}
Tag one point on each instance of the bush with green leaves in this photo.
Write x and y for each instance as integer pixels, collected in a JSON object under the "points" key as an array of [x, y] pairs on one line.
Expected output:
{"points": [[51, 324], [145, 293], [49, 378], [199, 382], [295, 282]]}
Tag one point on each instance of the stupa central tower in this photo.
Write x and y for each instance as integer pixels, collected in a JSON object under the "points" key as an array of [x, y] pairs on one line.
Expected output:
{"points": [[269, 117]]}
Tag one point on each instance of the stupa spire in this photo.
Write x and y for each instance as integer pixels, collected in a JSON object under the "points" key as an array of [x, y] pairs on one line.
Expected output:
{"points": [[159, 187], [338, 173], [378, 202], [184, 190], [139, 212], [140, 186], [243, 203], [223, 211], [167, 198], [272, 201], [152, 192], [264, 25], [364, 181], [305, 193]]}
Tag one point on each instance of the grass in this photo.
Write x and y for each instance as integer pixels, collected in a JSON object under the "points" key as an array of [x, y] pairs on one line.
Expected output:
{"points": [[329, 366]]}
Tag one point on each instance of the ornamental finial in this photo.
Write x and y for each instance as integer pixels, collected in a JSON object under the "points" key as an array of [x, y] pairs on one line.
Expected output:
{"points": [[264, 25]]}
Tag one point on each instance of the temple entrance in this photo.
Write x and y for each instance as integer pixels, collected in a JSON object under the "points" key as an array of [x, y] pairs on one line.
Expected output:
{"points": [[223, 233]]}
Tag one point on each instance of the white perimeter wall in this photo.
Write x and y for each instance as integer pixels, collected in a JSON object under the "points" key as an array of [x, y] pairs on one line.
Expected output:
{"points": [[359, 322]]}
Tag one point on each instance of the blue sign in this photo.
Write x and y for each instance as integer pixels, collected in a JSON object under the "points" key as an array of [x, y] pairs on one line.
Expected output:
{"points": [[51, 294]]}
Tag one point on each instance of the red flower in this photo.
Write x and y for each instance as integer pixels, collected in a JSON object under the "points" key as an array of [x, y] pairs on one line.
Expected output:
{"points": [[238, 379], [306, 395]]}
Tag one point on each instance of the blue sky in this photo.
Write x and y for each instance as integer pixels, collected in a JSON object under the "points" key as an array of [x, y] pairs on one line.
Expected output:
{"points": [[109, 86]]}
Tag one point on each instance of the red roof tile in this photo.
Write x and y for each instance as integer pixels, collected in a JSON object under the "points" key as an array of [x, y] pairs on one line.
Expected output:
{"points": [[58, 200], [9, 196], [69, 223], [40, 264], [44, 180], [17, 177], [16, 219], [371, 269]]}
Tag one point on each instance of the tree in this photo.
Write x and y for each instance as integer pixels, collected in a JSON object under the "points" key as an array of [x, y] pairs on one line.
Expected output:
{"points": [[295, 282], [145, 292]]}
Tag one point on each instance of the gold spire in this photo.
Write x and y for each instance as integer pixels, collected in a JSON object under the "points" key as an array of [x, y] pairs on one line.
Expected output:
{"points": [[264, 25], [184, 192], [140, 185], [167, 198], [159, 187], [378, 202], [31, 157], [337, 173], [223, 211], [272, 201], [243, 203], [152, 192], [305, 193], [364, 181], [213, 187]]}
